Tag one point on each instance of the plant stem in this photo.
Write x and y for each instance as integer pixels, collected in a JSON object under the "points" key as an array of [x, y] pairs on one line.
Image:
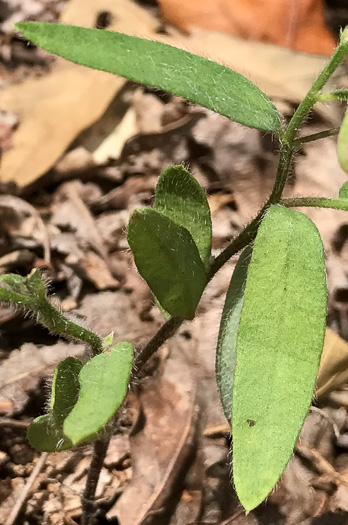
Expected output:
{"points": [[288, 144], [315, 202], [165, 332], [316, 136], [57, 323], [51, 318], [249, 233], [88, 498], [312, 96]]}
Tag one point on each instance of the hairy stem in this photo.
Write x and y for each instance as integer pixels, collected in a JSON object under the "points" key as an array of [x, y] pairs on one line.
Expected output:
{"points": [[316, 136], [315, 202], [313, 94], [51, 318], [165, 332], [88, 498], [57, 323]]}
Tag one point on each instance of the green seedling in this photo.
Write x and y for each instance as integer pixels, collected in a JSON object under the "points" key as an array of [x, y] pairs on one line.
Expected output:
{"points": [[272, 326]]}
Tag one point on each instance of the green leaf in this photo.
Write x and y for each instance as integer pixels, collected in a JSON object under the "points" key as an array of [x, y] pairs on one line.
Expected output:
{"points": [[65, 388], [46, 432], [342, 144], [14, 283], [226, 349], [181, 198], [339, 94], [44, 435], [165, 67], [103, 387], [107, 341], [168, 259], [279, 344], [344, 191], [35, 284], [31, 286]]}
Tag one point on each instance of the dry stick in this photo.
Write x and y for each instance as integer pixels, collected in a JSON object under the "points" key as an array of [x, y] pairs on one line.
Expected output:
{"points": [[25, 493]]}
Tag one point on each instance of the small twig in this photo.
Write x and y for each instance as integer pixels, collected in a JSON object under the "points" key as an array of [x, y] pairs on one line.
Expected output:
{"points": [[11, 520]]}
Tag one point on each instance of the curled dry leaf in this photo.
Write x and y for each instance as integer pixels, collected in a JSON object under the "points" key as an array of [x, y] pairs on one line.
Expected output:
{"points": [[299, 25]]}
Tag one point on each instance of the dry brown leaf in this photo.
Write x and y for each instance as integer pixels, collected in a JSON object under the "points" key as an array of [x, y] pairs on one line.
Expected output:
{"points": [[333, 371], [54, 109], [299, 24]]}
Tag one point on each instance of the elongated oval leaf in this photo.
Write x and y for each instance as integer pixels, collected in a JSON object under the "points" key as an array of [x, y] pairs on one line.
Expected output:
{"points": [[103, 387], [46, 432], [226, 349], [342, 144], [181, 198], [168, 259], [165, 67], [279, 343]]}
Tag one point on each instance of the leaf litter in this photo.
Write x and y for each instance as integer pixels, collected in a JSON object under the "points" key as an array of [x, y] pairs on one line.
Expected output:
{"points": [[84, 178]]}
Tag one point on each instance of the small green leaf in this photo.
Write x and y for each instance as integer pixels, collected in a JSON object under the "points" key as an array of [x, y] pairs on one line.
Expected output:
{"points": [[46, 432], [165, 67], [15, 283], [339, 94], [342, 144], [65, 388], [279, 344], [45, 435], [168, 259], [181, 198], [107, 341], [344, 191], [35, 284], [103, 387], [31, 286], [226, 349]]}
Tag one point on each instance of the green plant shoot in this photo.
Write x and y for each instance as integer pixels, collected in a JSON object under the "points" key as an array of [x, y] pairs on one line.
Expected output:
{"points": [[272, 326]]}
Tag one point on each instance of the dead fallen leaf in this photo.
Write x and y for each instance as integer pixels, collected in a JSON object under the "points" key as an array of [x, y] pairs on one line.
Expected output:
{"points": [[299, 25], [45, 106], [333, 371]]}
